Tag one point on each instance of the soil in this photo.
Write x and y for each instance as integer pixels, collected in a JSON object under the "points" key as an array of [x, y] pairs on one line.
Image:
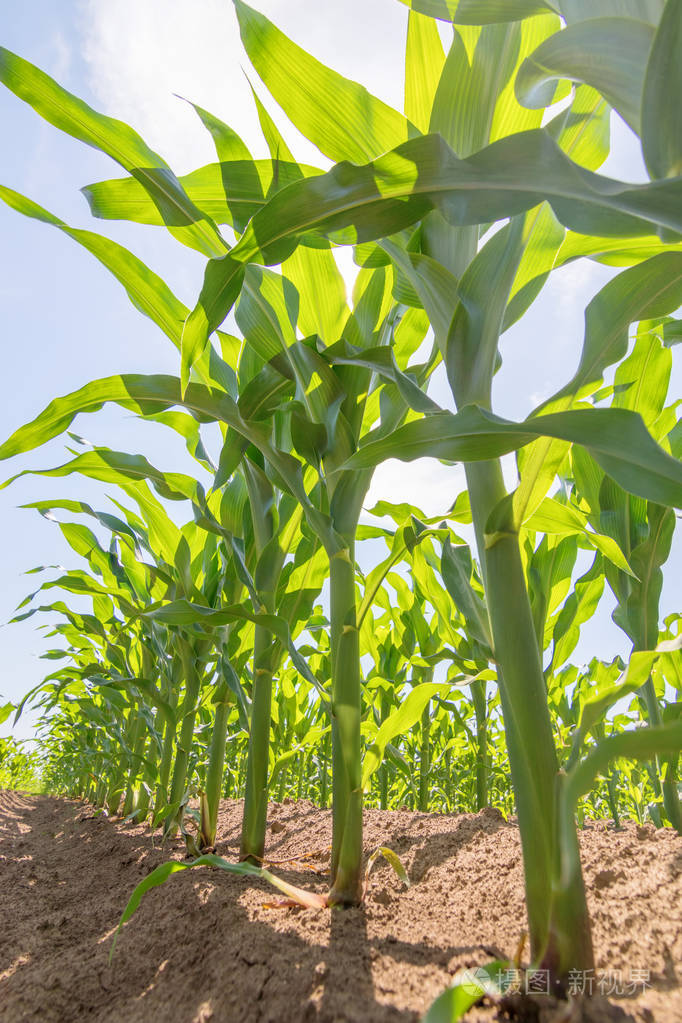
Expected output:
{"points": [[204, 948]]}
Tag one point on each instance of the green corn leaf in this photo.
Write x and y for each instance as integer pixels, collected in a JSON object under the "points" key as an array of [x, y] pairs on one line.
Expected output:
{"points": [[424, 59], [229, 192], [543, 235], [403, 542], [267, 312], [71, 115], [353, 204], [638, 601], [457, 569], [312, 738], [480, 12], [584, 10], [112, 466], [193, 344], [399, 512], [640, 744], [619, 252], [162, 873], [163, 534], [471, 349], [510, 116], [392, 858], [273, 137], [340, 117], [475, 103], [189, 429], [615, 438], [566, 520], [183, 612], [609, 54], [434, 283], [578, 608], [641, 381], [147, 687], [5, 711], [145, 289], [152, 394], [83, 541], [583, 129], [243, 574], [549, 578], [595, 705], [228, 144], [81, 582], [580, 132], [653, 288], [381, 360], [399, 722], [661, 112], [462, 104], [321, 291], [489, 12], [467, 988]]}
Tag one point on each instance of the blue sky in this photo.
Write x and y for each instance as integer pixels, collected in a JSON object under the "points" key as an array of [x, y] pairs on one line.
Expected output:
{"points": [[65, 321]]}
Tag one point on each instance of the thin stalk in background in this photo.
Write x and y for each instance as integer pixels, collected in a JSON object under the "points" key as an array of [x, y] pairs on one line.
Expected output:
{"points": [[478, 696], [184, 744], [256, 795]]}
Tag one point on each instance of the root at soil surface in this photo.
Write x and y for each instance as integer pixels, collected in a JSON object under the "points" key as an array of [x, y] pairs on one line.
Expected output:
{"points": [[203, 949], [523, 1008]]}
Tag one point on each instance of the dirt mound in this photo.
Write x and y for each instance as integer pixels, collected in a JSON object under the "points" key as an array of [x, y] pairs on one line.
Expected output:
{"points": [[203, 947]]}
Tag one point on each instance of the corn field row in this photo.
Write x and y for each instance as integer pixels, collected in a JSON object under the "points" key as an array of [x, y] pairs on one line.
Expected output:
{"points": [[252, 629]]}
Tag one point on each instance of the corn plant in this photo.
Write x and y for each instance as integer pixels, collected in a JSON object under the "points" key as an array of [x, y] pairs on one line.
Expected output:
{"points": [[19, 769], [467, 291], [458, 210]]}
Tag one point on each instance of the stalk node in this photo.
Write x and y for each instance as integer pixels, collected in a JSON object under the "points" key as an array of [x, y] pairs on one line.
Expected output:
{"points": [[491, 539]]}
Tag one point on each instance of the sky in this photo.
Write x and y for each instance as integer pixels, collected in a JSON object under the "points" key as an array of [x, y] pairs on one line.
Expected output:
{"points": [[66, 321]]}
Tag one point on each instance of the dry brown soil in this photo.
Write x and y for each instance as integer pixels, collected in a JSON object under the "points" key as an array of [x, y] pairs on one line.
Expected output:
{"points": [[204, 948]]}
